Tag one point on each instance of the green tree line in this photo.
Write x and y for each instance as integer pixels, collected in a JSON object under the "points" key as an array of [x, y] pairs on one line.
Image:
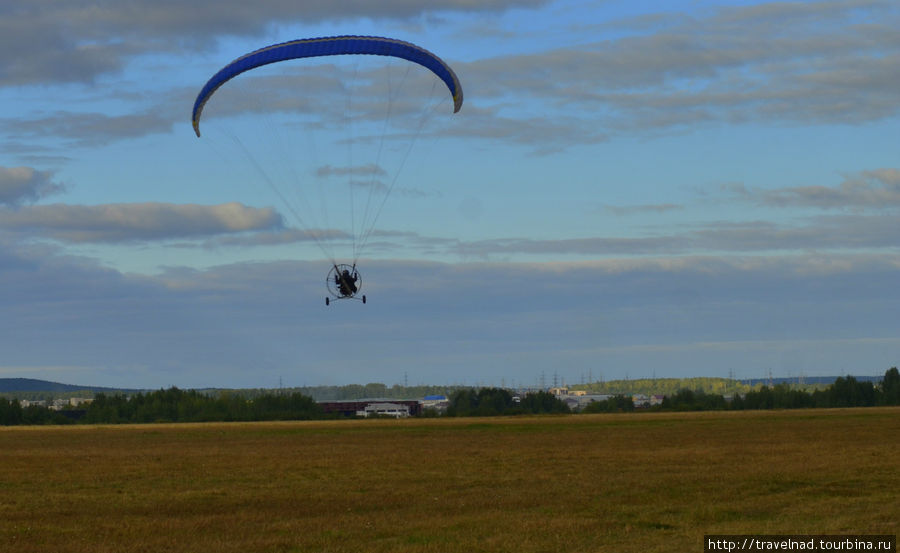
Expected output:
{"points": [[615, 404], [487, 402], [171, 405], [844, 392], [12, 413], [175, 405]]}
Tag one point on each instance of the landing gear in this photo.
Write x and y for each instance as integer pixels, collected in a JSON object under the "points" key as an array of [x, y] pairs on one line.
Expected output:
{"points": [[362, 298]]}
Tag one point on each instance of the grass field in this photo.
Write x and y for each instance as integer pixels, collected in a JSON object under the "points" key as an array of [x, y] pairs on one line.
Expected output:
{"points": [[625, 483]]}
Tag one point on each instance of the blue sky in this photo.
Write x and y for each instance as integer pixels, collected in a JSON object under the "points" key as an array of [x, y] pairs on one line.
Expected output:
{"points": [[631, 189]]}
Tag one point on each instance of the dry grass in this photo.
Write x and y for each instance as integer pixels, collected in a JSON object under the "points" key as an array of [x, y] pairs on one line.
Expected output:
{"points": [[640, 482]]}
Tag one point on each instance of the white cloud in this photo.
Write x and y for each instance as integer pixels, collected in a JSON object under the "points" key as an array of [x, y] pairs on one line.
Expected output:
{"points": [[368, 170], [92, 129], [79, 41], [822, 63], [249, 323], [637, 209], [136, 222], [877, 189], [823, 233], [25, 184], [825, 63]]}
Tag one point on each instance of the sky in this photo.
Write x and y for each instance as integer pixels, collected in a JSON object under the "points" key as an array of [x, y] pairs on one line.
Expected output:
{"points": [[632, 189]]}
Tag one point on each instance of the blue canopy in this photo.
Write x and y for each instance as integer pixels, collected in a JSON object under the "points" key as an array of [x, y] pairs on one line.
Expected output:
{"points": [[329, 46]]}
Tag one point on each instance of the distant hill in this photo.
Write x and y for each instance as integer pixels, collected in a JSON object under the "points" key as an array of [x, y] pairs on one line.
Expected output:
{"points": [[12, 385], [809, 380], [26, 386]]}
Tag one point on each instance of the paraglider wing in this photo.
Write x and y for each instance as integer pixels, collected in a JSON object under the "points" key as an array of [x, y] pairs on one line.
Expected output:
{"points": [[329, 46]]}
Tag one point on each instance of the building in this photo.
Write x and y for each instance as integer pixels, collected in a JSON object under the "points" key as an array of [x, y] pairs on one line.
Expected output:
{"points": [[438, 403], [387, 409], [579, 402], [358, 407]]}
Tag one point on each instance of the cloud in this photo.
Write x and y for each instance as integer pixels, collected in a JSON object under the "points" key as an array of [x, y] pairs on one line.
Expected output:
{"points": [[93, 129], [823, 63], [547, 133], [24, 185], [877, 189], [368, 170], [248, 324], [594, 246], [825, 233], [818, 233], [369, 177], [235, 225], [80, 41], [277, 236], [637, 209], [112, 223], [808, 63]]}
